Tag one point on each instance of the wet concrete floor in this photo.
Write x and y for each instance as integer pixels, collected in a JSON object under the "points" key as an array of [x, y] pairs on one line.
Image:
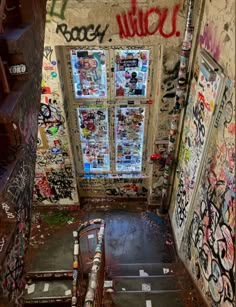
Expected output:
{"points": [[141, 259], [129, 238]]}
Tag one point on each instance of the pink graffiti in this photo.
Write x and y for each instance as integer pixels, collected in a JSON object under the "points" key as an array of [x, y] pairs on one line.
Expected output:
{"points": [[136, 21], [209, 41], [232, 128]]}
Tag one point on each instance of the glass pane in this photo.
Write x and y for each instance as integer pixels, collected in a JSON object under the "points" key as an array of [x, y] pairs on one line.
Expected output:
{"points": [[129, 125], [89, 73], [131, 73], [93, 123]]}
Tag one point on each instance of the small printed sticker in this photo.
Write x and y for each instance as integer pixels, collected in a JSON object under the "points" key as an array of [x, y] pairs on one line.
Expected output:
{"points": [[68, 292], [46, 287], [31, 289]]}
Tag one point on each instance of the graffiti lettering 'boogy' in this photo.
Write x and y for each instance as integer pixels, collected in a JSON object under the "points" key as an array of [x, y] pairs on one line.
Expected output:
{"points": [[137, 21], [84, 33]]}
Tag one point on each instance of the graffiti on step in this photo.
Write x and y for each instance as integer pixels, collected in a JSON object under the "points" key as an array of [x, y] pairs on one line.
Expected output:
{"points": [[83, 33], [137, 22]]}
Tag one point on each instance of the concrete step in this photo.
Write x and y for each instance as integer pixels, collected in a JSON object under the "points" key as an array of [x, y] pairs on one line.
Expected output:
{"points": [[49, 291], [145, 269], [158, 299], [49, 275], [151, 283]]}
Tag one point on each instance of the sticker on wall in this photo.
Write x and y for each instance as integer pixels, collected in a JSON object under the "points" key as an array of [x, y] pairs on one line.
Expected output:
{"points": [[93, 124], [131, 73], [89, 73], [18, 69], [53, 74], [129, 138]]}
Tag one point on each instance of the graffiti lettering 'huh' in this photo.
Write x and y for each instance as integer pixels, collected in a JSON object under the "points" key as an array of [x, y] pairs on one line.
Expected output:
{"points": [[137, 22]]}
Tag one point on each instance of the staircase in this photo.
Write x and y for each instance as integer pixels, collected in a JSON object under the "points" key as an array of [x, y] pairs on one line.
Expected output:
{"points": [[153, 285], [48, 288], [141, 268]]}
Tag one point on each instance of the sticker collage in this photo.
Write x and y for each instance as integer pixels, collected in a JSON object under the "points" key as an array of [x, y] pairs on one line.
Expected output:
{"points": [[111, 135]]}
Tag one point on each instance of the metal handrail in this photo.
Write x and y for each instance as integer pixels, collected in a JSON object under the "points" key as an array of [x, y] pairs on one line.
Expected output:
{"points": [[94, 293]]}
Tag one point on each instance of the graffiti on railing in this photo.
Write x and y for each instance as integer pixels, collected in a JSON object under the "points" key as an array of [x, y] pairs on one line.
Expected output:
{"points": [[96, 266]]}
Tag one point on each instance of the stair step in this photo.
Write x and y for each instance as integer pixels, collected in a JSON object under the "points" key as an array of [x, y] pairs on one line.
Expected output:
{"points": [[158, 299], [151, 283], [45, 291], [145, 269], [49, 275]]}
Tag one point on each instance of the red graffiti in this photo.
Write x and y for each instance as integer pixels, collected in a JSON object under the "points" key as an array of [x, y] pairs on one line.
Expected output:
{"points": [[136, 21], [232, 128], [44, 186], [202, 99]]}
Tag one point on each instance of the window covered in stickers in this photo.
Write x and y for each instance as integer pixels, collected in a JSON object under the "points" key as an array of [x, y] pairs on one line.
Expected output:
{"points": [[105, 83], [93, 124], [129, 127], [89, 73], [131, 72]]}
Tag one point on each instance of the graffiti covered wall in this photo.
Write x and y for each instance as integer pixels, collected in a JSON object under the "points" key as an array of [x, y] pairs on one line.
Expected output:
{"points": [[209, 241], [196, 129], [170, 68], [18, 117], [54, 179], [129, 23], [205, 232]]}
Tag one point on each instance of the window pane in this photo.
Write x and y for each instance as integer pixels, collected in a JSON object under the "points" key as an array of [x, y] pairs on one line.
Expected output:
{"points": [[93, 123], [89, 73], [129, 125], [131, 73]]}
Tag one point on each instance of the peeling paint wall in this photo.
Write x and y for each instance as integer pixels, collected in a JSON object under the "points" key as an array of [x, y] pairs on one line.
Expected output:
{"points": [[102, 24], [205, 228]]}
